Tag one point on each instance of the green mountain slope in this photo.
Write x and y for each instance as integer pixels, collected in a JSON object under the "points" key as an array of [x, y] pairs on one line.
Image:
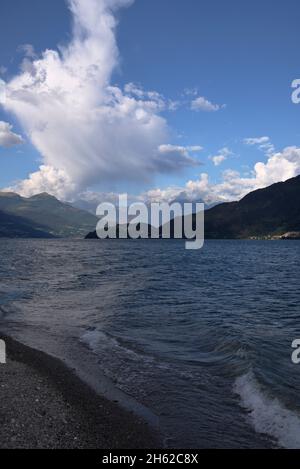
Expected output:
{"points": [[17, 227], [54, 217]]}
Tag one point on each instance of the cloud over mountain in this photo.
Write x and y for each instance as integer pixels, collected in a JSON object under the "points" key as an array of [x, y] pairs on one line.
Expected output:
{"points": [[279, 167]]}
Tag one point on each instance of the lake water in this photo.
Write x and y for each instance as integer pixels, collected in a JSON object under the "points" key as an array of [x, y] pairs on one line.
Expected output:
{"points": [[201, 340]]}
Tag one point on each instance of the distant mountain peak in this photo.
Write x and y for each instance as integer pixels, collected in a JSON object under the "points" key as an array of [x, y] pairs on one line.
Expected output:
{"points": [[52, 216], [43, 195], [9, 194]]}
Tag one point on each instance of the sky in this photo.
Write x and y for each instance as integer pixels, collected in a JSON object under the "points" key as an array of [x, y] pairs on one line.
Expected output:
{"points": [[162, 99]]}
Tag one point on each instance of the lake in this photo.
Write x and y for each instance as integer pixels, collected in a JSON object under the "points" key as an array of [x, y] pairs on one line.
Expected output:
{"points": [[199, 340]]}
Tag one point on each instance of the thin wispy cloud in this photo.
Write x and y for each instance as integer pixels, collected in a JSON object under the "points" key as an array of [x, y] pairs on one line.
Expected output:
{"points": [[222, 156], [170, 153], [27, 50], [263, 143]]}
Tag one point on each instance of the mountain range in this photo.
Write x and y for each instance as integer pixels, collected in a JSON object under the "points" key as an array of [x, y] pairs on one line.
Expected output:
{"points": [[270, 212], [265, 213]]}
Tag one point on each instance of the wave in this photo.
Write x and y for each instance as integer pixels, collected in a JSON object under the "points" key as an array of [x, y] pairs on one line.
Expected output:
{"points": [[93, 337], [99, 342], [96, 340], [268, 415]]}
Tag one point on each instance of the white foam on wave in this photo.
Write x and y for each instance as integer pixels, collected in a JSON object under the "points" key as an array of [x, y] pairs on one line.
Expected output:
{"points": [[92, 338], [268, 416], [97, 341]]}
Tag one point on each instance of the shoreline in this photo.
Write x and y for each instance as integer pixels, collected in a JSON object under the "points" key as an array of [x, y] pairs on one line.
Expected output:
{"points": [[44, 404]]}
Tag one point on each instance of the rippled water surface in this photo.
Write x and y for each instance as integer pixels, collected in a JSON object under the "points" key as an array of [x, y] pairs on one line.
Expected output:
{"points": [[200, 338]]}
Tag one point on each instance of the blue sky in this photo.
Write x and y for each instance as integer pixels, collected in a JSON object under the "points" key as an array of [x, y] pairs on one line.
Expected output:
{"points": [[241, 57]]}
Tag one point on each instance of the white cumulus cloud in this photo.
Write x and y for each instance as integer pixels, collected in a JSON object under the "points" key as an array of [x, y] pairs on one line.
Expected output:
{"points": [[47, 179], [84, 128], [279, 167], [232, 186], [203, 104], [7, 137]]}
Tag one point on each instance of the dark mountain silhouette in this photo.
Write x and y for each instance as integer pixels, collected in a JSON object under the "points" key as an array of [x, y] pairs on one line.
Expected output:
{"points": [[146, 229], [272, 211]]}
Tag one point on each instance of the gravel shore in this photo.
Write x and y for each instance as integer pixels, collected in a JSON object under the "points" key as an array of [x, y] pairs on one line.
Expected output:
{"points": [[45, 405]]}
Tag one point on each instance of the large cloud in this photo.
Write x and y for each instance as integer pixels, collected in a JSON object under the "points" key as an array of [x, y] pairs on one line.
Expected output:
{"points": [[86, 130], [47, 179]]}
